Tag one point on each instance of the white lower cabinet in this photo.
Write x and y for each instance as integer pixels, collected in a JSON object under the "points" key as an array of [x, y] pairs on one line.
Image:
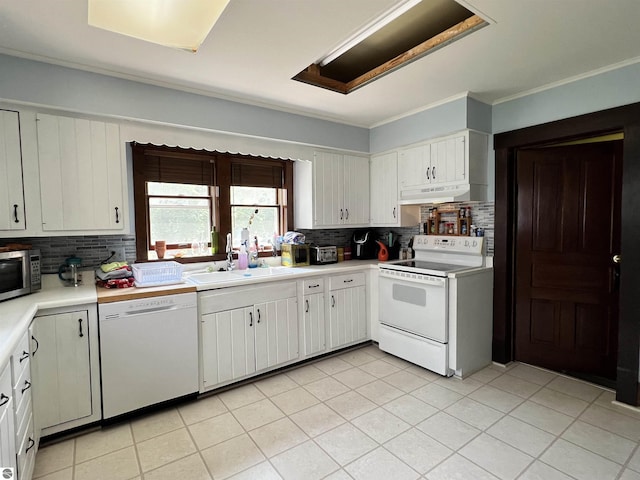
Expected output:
{"points": [[347, 308], [64, 363], [7, 427], [246, 330], [26, 441], [314, 317]]}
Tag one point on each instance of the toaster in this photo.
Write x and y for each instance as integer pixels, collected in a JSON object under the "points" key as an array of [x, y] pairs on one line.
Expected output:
{"points": [[324, 255]]}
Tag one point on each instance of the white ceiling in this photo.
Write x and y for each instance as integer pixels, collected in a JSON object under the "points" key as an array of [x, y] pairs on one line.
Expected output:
{"points": [[258, 45]]}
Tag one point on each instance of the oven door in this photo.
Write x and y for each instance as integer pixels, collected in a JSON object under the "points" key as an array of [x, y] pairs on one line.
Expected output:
{"points": [[414, 303]]}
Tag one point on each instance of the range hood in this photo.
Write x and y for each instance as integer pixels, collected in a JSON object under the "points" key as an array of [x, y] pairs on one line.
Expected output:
{"points": [[461, 192]]}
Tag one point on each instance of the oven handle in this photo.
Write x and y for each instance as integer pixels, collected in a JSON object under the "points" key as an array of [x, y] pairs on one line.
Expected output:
{"points": [[419, 278]]}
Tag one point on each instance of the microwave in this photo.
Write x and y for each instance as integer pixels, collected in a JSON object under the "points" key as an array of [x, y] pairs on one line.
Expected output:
{"points": [[19, 273], [294, 255]]}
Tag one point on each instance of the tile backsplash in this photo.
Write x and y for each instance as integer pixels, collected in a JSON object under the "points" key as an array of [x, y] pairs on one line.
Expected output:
{"points": [[92, 249]]}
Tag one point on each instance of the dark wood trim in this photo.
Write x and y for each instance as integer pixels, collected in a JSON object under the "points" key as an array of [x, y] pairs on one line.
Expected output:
{"points": [[627, 120]]}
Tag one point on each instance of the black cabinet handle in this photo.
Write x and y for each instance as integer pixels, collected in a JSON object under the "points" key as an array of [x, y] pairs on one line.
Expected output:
{"points": [[80, 334], [32, 443], [341, 214], [394, 212], [15, 213], [314, 286], [27, 386], [348, 281], [24, 356], [333, 301], [117, 215], [259, 315], [428, 174], [433, 173], [347, 212], [3, 399], [251, 319], [33, 354], [306, 310]]}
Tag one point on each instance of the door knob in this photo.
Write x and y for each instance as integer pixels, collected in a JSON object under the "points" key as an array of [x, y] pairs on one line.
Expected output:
{"points": [[616, 258]]}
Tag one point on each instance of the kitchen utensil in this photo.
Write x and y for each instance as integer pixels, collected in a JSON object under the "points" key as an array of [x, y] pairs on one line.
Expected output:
{"points": [[383, 253], [71, 267]]}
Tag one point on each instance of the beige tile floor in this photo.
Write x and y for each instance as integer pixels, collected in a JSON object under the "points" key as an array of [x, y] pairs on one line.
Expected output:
{"points": [[368, 415]]}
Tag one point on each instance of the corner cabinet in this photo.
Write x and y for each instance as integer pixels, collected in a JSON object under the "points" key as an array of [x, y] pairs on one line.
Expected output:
{"points": [[12, 211], [66, 369], [332, 191], [386, 211], [82, 182], [246, 330]]}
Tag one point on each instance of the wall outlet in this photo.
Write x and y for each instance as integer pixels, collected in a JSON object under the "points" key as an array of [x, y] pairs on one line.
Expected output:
{"points": [[119, 255]]}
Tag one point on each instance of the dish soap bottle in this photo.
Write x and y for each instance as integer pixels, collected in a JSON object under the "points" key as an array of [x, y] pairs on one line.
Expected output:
{"points": [[214, 241], [243, 261]]}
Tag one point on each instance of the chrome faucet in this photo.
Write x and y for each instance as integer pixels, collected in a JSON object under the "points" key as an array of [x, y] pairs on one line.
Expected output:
{"points": [[230, 264]]}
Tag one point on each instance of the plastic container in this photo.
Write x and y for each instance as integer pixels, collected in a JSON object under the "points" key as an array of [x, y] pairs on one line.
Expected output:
{"points": [[243, 261], [154, 274]]}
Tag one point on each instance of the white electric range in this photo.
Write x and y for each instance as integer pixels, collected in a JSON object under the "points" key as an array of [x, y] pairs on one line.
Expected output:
{"points": [[436, 310]]}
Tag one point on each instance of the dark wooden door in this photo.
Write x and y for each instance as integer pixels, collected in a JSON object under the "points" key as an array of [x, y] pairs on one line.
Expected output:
{"points": [[568, 229]]}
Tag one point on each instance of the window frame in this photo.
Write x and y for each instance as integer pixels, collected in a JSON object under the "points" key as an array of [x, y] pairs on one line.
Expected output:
{"points": [[221, 176]]}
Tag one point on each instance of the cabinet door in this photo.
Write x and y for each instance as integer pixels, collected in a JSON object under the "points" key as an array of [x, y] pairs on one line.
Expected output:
{"points": [[328, 183], [347, 316], [314, 321], [81, 183], [384, 190], [356, 190], [228, 346], [7, 429], [62, 367], [276, 330], [411, 170], [438, 172], [12, 213]]}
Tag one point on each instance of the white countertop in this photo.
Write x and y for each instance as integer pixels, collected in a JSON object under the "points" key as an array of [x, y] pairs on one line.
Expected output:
{"points": [[16, 314]]}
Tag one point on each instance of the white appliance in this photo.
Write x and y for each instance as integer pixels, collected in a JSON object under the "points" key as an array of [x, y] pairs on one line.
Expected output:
{"points": [[148, 350], [436, 310]]}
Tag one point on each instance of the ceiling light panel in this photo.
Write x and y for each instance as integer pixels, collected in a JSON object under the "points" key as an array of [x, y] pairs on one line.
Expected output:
{"points": [[182, 24]]}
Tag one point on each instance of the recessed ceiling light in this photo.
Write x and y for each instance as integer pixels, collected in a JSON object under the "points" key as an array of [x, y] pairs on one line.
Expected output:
{"points": [[182, 24]]}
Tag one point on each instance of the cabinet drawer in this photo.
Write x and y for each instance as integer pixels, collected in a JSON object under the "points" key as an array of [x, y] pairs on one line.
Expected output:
{"points": [[21, 357], [5, 390], [22, 387], [313, 285], [346, 281]]}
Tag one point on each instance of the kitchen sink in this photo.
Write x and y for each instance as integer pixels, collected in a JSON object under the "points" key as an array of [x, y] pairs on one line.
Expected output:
{"points": [[267, 272], [235, 275], [212, 277]]}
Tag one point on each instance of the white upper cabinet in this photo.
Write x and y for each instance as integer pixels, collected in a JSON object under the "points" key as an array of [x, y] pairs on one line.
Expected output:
{"points": [[12, 211], [82, 186], [331, 191], [452, 168], [385, 209]]}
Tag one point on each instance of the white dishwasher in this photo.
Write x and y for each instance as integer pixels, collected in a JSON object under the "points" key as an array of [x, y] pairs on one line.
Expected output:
{"points": [[148, 351]]}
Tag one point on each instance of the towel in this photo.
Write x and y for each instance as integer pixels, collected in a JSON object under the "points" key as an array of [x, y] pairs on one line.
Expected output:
{"points": [[116, 283], [108, 267], [122, 272], [293, 237]]}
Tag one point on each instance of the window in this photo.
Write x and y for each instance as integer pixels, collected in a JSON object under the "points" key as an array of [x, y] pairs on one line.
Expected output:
{"points": [[258, 210], [178, 212], [179, 194]]}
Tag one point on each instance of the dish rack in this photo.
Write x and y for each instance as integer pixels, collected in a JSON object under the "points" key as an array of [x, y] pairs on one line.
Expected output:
{"points": [[157, 274]]}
